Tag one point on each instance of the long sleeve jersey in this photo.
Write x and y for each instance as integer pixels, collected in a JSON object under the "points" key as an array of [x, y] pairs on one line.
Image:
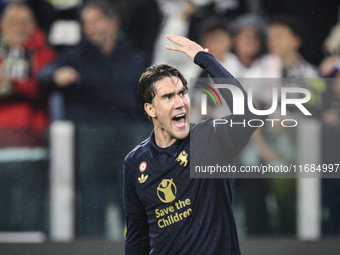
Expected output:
{"points": [[167, 212]]}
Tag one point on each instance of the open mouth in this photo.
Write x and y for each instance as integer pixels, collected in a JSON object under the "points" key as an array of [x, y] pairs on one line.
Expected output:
{"points": [[179, 120]]}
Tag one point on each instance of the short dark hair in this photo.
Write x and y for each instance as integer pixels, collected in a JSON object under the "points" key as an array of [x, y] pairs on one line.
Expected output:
{"points": [[146, 85], [294, 24], [108, 8]]}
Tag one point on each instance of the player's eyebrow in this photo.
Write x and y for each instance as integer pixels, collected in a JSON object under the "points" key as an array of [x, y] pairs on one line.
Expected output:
{"points": [[168, 94], [183, 90]]}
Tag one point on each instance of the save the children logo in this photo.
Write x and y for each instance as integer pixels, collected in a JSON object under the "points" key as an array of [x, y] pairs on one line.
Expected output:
{"points": [[167, 190], [177, 211]]}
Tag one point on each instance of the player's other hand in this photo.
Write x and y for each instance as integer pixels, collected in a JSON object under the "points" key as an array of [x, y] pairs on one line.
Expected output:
{"points": [[184, 45]]}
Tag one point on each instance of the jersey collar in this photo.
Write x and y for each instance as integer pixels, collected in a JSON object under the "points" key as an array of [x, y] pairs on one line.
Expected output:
{"points": [[173, 150]]}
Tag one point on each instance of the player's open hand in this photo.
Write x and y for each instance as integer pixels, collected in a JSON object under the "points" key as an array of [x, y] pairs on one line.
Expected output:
{"points": [[184, 45]]}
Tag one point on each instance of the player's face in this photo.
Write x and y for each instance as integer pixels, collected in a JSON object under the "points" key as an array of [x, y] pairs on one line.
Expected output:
{"points": [[171, 107]]}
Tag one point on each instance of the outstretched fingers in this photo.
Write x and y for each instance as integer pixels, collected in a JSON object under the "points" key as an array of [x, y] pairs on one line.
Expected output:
{"points": [[180, 40], [174, 47], [184, 45]]}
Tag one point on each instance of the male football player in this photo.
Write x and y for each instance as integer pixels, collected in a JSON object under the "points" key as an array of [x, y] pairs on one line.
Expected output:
{"points": [[167, 212]]}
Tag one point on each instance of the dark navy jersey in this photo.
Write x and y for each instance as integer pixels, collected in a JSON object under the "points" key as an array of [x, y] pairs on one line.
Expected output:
{"points": [[167, 212]]}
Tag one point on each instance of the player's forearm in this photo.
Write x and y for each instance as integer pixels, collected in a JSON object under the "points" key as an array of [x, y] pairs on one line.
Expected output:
{"points": [[208, 63], [239, 134], [221, 76]]}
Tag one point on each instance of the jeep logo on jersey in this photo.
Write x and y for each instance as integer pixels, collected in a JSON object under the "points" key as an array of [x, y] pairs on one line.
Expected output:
{"points": [[167, 190], [183, 158]]}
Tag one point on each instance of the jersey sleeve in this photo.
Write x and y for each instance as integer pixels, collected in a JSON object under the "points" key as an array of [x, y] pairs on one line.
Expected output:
{"points": [[137, 237], [239, 134], [134, 208], [137, 233]]}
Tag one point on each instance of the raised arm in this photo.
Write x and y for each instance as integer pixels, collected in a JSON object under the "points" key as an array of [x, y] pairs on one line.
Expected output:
{"points": [[239, 134]]}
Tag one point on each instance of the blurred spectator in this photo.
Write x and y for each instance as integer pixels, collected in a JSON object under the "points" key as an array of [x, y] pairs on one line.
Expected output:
{"points": [[332, 42], [331, 103], [24, 52], [285, 35], [207, 9], [318, 17], [93, 76], [275, 144], [330, 115], [285, 38], [98, 80], [44, 12], [330, 155], [23, 120], [65, 29], [185, 18], [176, 21], [330, 69], [247, 43], [144, 25], [249, 37], [214, 35]]}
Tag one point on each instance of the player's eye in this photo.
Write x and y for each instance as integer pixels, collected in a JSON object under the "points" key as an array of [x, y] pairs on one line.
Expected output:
{"points": [[166, 97]]}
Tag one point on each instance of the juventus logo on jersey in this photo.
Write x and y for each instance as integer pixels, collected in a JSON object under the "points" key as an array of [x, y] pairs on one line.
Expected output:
{"points": [[183, 158]]}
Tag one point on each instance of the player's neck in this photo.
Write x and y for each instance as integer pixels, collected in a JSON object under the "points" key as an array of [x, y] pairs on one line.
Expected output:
{"points": [[163, 138]]}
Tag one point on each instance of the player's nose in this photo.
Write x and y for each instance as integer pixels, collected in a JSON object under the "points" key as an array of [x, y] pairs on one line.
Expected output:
{"points": [[178, 102]]}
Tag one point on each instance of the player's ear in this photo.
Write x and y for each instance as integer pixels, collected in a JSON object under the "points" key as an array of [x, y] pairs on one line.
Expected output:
{"points": [[150, 110]]}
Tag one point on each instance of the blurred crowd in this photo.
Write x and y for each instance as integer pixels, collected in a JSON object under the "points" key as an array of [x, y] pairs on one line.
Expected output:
{"points": [[80, 61]]}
